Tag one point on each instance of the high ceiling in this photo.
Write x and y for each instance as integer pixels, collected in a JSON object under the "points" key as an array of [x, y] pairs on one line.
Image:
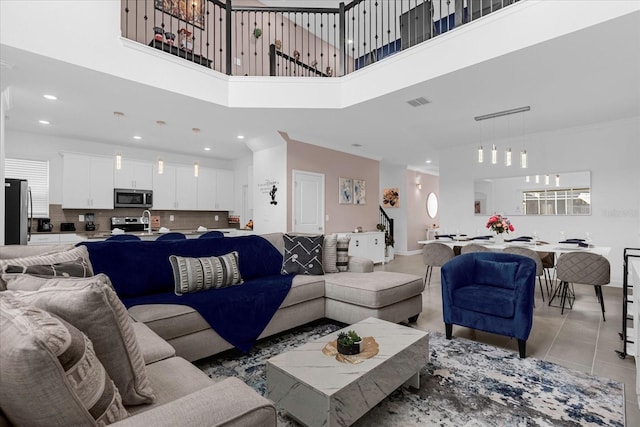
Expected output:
{"points": [[579, 79]]}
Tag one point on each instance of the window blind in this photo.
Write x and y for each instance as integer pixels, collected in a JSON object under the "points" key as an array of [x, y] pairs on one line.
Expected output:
{"points": [[36, 172]]}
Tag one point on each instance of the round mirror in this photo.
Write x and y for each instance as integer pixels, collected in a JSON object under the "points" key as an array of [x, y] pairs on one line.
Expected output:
{"points": [[432, 205]]}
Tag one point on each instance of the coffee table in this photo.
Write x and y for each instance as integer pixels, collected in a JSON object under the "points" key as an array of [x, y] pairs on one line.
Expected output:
{"points": [[317, 390]]}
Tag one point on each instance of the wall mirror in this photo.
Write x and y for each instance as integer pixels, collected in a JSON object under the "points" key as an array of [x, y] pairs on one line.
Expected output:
{"points": [[432, 205], [567, 193]]}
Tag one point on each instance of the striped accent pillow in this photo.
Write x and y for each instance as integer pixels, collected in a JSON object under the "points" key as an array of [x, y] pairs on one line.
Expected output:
{"points": [[329, 253], [51, 376], [342, 253], [200, 274]]}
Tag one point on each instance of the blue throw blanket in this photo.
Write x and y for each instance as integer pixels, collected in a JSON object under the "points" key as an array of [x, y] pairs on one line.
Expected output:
{"points": [[141, 274]]}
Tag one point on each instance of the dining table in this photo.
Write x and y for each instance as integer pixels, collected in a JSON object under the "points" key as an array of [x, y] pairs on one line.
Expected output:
{"points": [[558, 248]]}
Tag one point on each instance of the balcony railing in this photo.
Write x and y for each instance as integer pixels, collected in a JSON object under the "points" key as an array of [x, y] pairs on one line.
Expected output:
{"points": [[302, 41]]}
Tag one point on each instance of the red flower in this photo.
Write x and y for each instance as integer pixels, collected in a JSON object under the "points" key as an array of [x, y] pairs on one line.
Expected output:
{"points": [[511, 227]]}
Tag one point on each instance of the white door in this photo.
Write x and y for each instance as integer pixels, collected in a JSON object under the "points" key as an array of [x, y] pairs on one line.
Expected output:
{"points": [[308, 202]]}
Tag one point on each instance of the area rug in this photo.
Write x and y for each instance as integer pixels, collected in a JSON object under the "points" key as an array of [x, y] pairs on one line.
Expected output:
{"points": [[465, 384]]}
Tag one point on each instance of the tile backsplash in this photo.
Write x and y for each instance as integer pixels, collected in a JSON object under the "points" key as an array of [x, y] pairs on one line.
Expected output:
{"points": [[182, 220]]}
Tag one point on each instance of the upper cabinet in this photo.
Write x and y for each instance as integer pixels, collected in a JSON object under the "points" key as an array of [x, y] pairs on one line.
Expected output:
{"points": [[164, 188], [224, 190], [87, 182], [134, 174]]}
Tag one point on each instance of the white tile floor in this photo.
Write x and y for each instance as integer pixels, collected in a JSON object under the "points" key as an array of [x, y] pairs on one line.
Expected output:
{"points": [[579, 339]]}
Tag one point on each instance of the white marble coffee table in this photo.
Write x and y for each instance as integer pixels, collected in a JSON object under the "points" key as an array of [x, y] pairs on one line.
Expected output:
{"points": [[317, 390]]}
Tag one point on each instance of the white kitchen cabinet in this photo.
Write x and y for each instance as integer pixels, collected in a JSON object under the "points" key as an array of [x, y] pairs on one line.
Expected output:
{"points": [[186, 189], [207, 189], [54, 238], [366, 245], [224, 190], [134, 174], [87, 182], [164, 188]]}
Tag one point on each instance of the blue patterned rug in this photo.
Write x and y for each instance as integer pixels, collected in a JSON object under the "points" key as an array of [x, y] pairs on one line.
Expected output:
{"points": [[465, 384]]}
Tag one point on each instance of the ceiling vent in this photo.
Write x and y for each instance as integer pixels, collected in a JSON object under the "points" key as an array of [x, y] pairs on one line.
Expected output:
{"points": [[418, 102]]}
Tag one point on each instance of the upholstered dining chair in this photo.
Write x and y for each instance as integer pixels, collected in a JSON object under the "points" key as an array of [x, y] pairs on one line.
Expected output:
{"points": [[491, 292], [214, 234], [174, 235], [519, 250], [123, 237], [435, 255], [581, 268], [473, 248]]}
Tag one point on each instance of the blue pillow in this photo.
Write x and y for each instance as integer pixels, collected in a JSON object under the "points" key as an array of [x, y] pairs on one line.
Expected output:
{"points": [[493, 273]]}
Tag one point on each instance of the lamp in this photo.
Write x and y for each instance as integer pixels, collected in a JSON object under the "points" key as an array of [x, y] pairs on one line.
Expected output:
{"points": [[546, 179], [160, 166], [537, 179], [196, 169], [508, 160], [527, 179], [494, 154], [118, 161], [507, 157], [557, 180], [480, 154], [523, 159]]}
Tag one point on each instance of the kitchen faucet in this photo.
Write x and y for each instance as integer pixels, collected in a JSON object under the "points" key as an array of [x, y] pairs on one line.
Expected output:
{"points": [[148, 226]]}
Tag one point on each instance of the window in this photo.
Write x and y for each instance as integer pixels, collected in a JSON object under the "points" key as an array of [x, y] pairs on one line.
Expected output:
{"points": [[567, 201], [36, 172]]}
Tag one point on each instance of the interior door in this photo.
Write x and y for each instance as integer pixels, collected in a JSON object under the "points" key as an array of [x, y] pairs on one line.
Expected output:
{"points": [[308, 202]]}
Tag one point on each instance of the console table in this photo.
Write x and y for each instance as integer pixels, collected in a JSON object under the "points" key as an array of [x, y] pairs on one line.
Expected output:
{"points": [[182, 53]]}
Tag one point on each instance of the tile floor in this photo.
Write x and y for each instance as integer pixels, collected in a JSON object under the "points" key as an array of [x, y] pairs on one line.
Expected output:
{"points": [[579, 339]]}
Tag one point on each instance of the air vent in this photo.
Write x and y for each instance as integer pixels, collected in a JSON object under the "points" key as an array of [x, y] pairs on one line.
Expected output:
{"points": [[418, 101]]}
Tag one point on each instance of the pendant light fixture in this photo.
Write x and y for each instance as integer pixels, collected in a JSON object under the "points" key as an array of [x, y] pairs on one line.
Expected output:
{"points": [[508, 160], [507, 157], [196, 169], [537, 179], [480, 154], [523, 159], [160, 166], [118, 161], [527, 179], [494, 154], [546, 179], [557, 180]]}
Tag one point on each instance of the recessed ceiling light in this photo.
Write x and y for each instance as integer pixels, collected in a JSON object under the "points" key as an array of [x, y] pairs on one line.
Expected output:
{"points": [[207, 148], [356, 145], [240, 136], [350, 41], [161, 122], [118, 114], [137, 137], [50, 97], [427, 161], [196, 130], [44, 122]]}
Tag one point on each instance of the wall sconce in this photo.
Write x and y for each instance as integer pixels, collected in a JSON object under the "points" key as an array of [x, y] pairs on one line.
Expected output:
{"points": [[480, 154], [196, 169], [507, 157], [419, 186], [118, 161], [557, 180], [160, 166], [494, 154]]}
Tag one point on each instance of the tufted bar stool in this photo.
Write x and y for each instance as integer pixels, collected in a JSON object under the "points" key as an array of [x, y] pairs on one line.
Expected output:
{"points": [[582, 268], [435, 255]]}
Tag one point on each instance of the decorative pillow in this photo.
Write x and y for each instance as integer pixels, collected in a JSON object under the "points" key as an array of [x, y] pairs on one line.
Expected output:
{"points": [[329, 254], [27, 282], [302, 255], [200, 274], [492, 273], [50, 373], [55, 258], [76, 268], [342, 253], [92, 306]]}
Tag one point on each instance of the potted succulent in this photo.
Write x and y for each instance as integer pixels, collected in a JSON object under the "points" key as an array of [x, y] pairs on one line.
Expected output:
{"points": [[349, 343]]}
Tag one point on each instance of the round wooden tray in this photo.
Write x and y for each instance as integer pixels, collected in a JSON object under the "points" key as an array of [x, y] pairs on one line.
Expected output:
{"points": [[369, 349]]}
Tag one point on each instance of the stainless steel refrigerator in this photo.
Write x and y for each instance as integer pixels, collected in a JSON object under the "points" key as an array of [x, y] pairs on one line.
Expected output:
{"points": [[16, 216]]}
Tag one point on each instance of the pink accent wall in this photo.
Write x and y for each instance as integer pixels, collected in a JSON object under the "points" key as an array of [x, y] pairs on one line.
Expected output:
{"points": [[417, 218], [334, 164]]}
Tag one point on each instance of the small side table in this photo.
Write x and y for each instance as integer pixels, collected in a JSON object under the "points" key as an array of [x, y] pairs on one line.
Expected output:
{"points": [[182, 53]]}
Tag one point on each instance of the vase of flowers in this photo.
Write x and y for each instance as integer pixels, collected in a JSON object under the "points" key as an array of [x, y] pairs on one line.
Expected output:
{"points": [[500, 224]]}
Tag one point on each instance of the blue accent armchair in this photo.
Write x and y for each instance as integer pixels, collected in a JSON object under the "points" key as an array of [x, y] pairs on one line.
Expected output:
{"points": [[491, 292]]}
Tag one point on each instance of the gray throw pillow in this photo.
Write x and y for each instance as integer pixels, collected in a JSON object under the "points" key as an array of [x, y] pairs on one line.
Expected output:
{"points": [[302, 255], [51, 376], [76, 268], [200, 274], [329, 253]]}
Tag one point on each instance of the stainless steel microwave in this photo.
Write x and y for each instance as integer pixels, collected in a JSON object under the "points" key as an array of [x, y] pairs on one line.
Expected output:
{"points": [[126, 198]]}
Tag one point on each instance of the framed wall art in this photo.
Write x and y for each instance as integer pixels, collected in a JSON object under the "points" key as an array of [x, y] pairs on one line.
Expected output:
{"points": [[345, 188], [391, 198], [359, 192]]}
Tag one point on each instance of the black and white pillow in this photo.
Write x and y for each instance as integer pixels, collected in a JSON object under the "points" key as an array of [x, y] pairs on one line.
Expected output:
{"points": [[302, 255], [200, 274], [342, 253]]}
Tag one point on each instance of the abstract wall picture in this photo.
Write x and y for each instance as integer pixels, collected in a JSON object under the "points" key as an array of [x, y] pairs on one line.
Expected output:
{"points": [[390, 198], [345, 188], [359, 192]]}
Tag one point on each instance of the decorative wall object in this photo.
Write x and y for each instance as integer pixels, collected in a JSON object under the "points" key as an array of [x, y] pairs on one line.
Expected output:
{"points": [[272, 193], [359, 192], [345, 188], [391, 198], [191, 11]]}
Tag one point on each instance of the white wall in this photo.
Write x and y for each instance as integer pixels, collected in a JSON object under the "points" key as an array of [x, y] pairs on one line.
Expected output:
{"points": [[270, 168], [243, 177], [4, 107], [610, 150], [42, 147]]}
